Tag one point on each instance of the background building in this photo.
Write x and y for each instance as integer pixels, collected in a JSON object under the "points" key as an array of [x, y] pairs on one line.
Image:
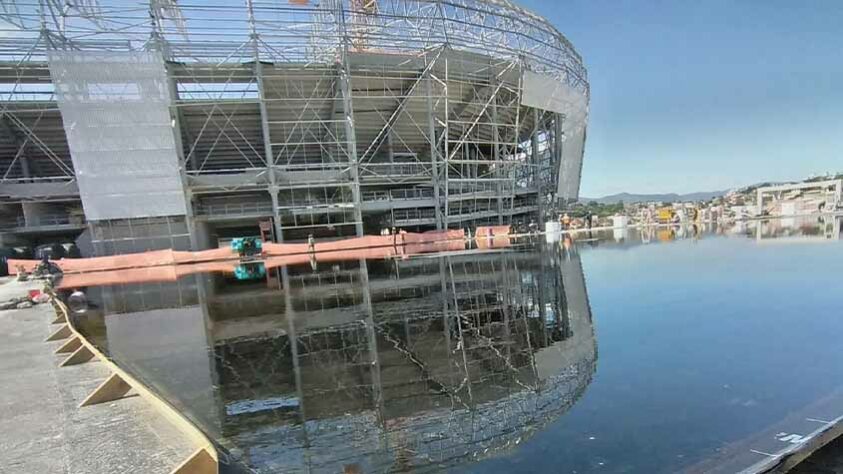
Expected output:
{"points": [[160, 125]]}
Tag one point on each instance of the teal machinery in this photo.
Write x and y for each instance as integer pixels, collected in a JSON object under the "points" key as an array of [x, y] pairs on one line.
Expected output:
{"points": [[250, 250]]}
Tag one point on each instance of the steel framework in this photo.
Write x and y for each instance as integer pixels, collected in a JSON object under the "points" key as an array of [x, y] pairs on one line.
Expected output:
{"points": [[336, 117]]}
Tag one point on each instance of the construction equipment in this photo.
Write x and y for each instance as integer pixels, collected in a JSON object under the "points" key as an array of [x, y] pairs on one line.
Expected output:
{"points": [[250, 271], [248, 248]]}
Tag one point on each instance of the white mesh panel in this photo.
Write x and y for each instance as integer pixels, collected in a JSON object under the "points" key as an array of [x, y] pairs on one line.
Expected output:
{"points": [[115, 108], [570, 164], [546, 93]]}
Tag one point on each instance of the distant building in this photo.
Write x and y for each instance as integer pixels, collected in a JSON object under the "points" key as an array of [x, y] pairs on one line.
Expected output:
{"points": [[800, 198]]}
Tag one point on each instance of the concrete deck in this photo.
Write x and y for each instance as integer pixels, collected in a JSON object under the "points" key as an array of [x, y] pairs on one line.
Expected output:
{"points": [[42, 430]]}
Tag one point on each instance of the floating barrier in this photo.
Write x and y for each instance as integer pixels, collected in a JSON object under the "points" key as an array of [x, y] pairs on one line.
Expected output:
{"points": [[392, 246], [395, 245]]}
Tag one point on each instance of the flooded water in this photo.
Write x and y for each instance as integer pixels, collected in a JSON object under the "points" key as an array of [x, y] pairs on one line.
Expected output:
{"points": [[622, 351]]}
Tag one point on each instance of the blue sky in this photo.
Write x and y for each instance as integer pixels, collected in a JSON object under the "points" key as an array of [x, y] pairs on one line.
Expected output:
{"points": [[699, 96]]}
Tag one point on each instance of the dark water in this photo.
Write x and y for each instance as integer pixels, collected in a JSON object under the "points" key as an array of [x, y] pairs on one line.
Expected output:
{"points": [[625, 351]]}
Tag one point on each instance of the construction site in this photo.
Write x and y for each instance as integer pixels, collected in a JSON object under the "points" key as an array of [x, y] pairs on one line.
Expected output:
{"points": [[134, 126]]}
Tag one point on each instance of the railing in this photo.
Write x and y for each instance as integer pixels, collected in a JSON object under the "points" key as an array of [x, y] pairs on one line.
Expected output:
{"points": [[398, 194], [225, 171], [39, 180], [386, 170], [326, 166], [229, 209], [316, 207], [478, 213], [405, 216], [49, 220]]}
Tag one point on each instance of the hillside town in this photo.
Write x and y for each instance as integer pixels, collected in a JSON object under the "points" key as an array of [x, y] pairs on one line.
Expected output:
{"points": [[813, 196]]}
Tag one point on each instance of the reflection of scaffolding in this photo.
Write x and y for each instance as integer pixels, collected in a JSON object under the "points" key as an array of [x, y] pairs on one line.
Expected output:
{"points": [[316, 108], [383, 364], [429, 362]]}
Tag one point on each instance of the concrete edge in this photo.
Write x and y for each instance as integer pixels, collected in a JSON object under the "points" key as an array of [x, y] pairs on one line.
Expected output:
{"points": [[206, 457], [788, 458]]}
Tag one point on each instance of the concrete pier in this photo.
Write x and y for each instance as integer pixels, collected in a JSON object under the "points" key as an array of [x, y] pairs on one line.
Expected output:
{"points": [[42, 430]]}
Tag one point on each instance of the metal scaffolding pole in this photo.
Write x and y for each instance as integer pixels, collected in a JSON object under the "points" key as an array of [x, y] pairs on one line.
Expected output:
{"points": [[496, 150], [348, 116], [535, 175], [434, 150], [267, 141]]}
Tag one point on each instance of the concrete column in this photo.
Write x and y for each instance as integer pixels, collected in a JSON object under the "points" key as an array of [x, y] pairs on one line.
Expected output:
{"points": [[33, 211]]}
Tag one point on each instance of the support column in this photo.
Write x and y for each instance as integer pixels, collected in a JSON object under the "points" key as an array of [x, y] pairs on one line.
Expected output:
{"points": [[268, 153], [348, 114], [25, 169], [269, 156], [497, 155], [558, 145], [446, 152], [434, 151], [188, 194], [535, 175]]}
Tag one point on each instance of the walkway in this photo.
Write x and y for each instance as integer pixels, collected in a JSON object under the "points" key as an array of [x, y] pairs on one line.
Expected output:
{"points": [[41, 428]]}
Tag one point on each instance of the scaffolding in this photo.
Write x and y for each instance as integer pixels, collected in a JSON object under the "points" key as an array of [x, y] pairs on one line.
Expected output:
{"points": [[319, 109]]}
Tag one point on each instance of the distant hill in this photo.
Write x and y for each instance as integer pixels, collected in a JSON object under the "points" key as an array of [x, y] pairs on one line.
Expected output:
{"points": [[670, 197]]}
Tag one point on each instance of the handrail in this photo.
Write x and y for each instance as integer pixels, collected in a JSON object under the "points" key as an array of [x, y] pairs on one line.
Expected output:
{"points": [[398, 194], [21, 222], [233, 208]]}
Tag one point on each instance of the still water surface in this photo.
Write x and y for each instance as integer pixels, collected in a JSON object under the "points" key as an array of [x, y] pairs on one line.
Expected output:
{"points": [[625, 351]]}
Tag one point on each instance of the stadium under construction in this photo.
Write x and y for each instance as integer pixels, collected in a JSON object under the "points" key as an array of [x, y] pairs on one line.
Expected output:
{"points": [[134, 126]]}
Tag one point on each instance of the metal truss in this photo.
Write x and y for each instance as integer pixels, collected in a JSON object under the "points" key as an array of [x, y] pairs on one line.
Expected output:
{"points": [[346, 99]]}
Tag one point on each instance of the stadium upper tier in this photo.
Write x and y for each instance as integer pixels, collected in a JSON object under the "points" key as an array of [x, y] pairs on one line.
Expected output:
{"points": [[292, 31], [340, 114]]}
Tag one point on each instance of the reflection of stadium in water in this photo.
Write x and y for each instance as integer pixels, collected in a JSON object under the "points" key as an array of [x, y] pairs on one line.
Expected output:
{"points": [[384, 365], [798, 229]]}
